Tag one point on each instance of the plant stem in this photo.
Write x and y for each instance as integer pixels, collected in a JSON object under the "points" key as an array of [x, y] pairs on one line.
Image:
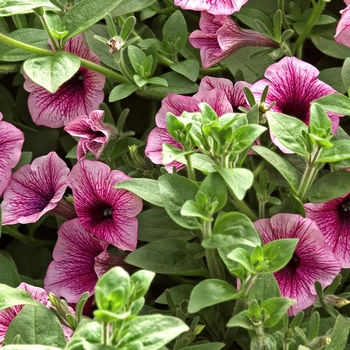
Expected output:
{"points": [[309, 175], [23, 238], [85, 63], [48, 31], [317, 10], [243, 207], [190, 171]]}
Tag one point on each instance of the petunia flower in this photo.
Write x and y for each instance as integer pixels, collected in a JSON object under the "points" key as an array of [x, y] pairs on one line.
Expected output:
{"points": [[213, 91], [108, 213], [36, 189], [38, 294], [312, 260], [333, 219], [93, 133], [11, 142], [342, 31], [78, 96], [220, 37], [293, 85], [79, 261], [216, 7]]}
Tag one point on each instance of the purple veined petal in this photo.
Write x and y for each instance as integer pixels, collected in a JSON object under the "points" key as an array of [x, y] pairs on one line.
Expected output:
{"points": [[342, 31], [333, 219], [11, 142], [293, 85], [312, 260], [72, 272], [154, 148], [34, 190], [108, 213], [216, 7], [93, 133], [78, 96]]}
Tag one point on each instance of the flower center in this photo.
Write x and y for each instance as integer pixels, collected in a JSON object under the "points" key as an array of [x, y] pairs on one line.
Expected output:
{"points": [[344, 210], [108, 211], [294, 262]]}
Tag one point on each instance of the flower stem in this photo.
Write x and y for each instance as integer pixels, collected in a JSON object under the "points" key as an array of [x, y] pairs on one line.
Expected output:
{"points": [[190, 171], [91, 65], [23, 238], [317, 10], [309, 175]]}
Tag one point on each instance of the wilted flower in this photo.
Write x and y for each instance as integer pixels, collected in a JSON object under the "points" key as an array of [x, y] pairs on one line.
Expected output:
{"points": [[312, 259], [220, 36], [342, 31], [333, 219], [93, 133], [108, 213], [214, 91], [78, 96], [36, 189], [293, 85], [38, 294], [11, 141], [79, 261], [216, 7]]}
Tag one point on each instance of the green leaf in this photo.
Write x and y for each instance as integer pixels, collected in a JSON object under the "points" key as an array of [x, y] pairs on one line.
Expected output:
{"points": [[211, 292], [136, 56], [320, 124], [241, 320], [339, 151], [177, 84], [330, 186], [188, 68], [147, 189], [282, 165], [155, 225], [333, 77], [330, 47], [205, 346], [238, 179], [265, 287], [157, 81], [288, 131], [15, 7], [12, 296], [8, 273], [345, 73], [245, 135], [279, 253], [336, 103], [112, 290], [340, 334], [276, 308], [129, 6], [175, 30], [179, 293], [30, 36], [232, 229], [142, 280], [214, 187], [153, 331], [241, 256], [171, 257], [122, 91], [36, 325], [51, 72], [85, 13], [175, 190]]}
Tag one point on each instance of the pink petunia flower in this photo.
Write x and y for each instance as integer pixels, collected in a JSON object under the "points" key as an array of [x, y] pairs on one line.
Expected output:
{"points": [[77, 96], [216, 7], [36, 189], [38, 294], [220, 37], [333, 219], [219, 93], [108, 213], [72, 272], [312, 260], [93, 133], [293, 85], [11, 142], [342, 32]]}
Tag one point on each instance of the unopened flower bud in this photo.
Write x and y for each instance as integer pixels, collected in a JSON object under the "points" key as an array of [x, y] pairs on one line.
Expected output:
{"points": [[335, 301], [319, 343]]}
